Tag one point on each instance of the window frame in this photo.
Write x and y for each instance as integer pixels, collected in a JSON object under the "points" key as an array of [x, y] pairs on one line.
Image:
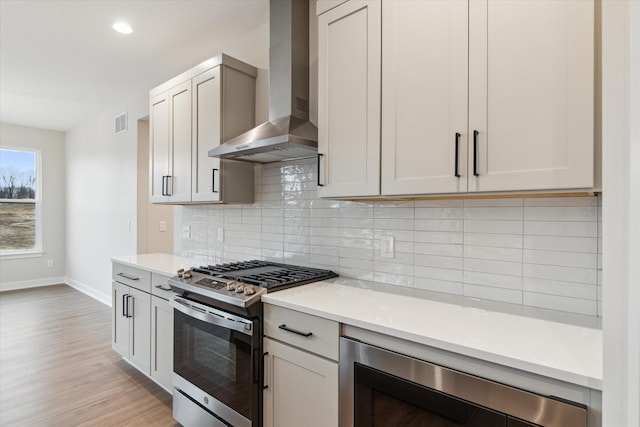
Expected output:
{"points": [[37, 250]]}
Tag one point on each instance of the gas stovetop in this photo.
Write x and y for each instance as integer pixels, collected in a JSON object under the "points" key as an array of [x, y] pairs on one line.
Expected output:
{"points": [[242, 283]]}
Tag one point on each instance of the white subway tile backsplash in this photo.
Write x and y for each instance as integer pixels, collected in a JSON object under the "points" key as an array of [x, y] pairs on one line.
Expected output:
{"points": [[495, 267], [570, 244], [567, 274], [437, 285], [498, 213], [564, 228], [543, 252], [493, 240], [561, 201], [555, 287], [493, 280], [493, 227], [581, 213], [560, 258], [447, 274], [491, 293], [493, 253], [438, 261]]}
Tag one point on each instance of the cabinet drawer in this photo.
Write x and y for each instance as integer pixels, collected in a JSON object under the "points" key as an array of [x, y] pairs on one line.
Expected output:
{"points": [[131, 276], [291, 326], [160, 286]]}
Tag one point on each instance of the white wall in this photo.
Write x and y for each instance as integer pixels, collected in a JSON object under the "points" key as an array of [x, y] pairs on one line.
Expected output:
{"points": [[101, 197], [621, 212], [25, 272]]}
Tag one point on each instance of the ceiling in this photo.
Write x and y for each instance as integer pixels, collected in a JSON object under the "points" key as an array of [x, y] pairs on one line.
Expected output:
{"points": [[61, 62]]}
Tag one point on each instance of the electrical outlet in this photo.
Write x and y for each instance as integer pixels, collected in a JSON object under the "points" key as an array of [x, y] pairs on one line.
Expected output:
{"points": [[163, 225], [186, 232], [127, 226], [220, 234], [387, 247], [49, 263]]}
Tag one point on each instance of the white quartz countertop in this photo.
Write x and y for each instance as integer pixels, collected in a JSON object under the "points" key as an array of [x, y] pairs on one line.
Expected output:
{"points": [[553, 349], [159, 263]]}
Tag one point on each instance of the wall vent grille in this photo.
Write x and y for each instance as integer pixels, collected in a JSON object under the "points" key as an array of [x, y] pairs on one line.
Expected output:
{"points": [[121, 123]]}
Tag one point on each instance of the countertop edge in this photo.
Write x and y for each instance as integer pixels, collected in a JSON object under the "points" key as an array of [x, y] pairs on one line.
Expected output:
{"points": [[510, 362]]}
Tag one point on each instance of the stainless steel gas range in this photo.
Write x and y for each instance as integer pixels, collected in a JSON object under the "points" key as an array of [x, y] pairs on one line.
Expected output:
{"points": [[218, 359]]}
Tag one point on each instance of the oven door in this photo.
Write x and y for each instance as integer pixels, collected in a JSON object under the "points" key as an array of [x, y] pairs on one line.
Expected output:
{"points": [[216, 361]]}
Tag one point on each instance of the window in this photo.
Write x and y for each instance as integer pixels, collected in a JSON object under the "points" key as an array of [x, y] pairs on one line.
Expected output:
{"points": [[20, 200]]}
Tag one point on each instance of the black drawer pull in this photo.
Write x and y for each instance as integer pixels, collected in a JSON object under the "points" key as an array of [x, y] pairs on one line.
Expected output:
{"points": [[456, 173], [475, 153], [162, 287], [304, 334], [319, 156], [127, 276]]}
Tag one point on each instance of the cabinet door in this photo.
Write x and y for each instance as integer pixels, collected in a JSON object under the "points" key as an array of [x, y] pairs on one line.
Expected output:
{"points": [[180, 136], [349, 99], [531, 89], [119, 320], [302, 389], [162, 342], [140, 329], [424, 96], [158, 147], [206, 135]]}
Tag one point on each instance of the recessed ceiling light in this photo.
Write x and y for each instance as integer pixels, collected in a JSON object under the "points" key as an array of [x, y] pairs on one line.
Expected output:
{"points": [[122, 27]]}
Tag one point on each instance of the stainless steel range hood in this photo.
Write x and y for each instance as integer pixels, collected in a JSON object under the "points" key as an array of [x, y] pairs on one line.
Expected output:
{"points": [[288, 134]]}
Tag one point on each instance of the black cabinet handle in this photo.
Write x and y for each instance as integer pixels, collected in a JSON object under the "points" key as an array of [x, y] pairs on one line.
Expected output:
{"points": [[213, 180], [265, 354], [124, 305], [169, 185], [304, 334], [456, 173], [128, 312], [162, 287], [164, 178], [128, 276], [475, 153], [319, 156]]}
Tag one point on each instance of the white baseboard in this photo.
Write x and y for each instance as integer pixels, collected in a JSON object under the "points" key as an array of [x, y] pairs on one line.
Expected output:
{"points": [[103, 298], [36, 283]]}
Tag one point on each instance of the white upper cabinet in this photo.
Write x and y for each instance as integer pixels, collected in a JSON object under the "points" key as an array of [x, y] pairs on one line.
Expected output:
{"points": [[476, 96], [424, 96], [349, 99], [223, 107], [179, 180], [531, 96], [190, 115]]}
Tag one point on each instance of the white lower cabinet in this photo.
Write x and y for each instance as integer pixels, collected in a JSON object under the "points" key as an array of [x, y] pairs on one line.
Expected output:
{"points": [[162, 342], [131, 325], [142, 327], [301, 369], [302, 389]]}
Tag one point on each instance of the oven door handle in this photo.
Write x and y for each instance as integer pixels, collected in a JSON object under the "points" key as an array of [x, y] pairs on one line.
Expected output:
{"points": [[215, 319]]}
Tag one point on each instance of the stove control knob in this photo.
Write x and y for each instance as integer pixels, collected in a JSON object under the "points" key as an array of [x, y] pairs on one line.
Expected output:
{"points": [[231, 286], [248, 290], [181, 272], [240, 288], [186, 275]]}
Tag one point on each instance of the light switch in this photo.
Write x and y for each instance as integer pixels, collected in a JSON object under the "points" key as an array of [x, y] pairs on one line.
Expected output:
{"points": [[163, 225], [186, 231]]}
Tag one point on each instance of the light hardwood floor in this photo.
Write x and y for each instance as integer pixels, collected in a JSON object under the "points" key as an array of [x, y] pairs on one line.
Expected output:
{"points": [[57, 367]]}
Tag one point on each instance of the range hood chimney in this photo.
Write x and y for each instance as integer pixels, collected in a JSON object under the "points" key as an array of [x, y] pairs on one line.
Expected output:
{"points": [[288, 134]]}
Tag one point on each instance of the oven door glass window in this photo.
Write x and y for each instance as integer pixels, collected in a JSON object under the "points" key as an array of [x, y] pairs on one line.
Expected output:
{"points": [[382, 399], [215, 359]]}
